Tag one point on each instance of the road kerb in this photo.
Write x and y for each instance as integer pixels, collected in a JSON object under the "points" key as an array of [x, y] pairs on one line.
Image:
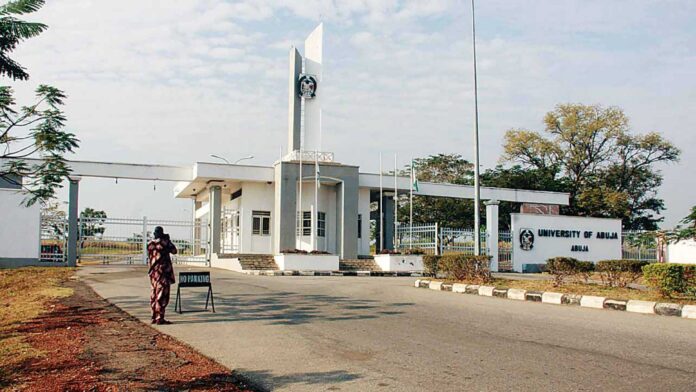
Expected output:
{"points": [[591, 301], [689, 311], [435, 286], [550, 297], [486, 291], [459, 288], [637, 306], [517, 294]]}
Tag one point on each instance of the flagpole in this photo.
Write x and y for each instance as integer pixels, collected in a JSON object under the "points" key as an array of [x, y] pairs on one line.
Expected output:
{"points": [[381, 210], [410, 210], [396, 205], [316, 199], [477, 185], [301, 214]]}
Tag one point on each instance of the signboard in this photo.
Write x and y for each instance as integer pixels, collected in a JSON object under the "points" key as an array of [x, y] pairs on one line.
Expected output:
{"points": [[194, 279], [537, 238]]}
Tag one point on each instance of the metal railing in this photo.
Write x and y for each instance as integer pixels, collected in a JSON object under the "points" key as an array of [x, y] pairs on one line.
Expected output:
{"points": [[309, 156], [124, 240]]}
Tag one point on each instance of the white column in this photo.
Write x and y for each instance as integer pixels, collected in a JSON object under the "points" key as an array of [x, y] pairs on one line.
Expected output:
{"points": [[492, 232]]}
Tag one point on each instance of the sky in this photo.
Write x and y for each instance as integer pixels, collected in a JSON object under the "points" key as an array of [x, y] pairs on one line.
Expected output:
{"points": [[171, 82]]}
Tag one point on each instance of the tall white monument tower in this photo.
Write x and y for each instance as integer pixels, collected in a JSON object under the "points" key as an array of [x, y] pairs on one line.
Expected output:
{"points": [[305, 95]]}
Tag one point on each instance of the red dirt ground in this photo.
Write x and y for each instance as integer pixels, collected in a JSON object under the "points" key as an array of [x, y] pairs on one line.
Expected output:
{"points": [[90, 345]]}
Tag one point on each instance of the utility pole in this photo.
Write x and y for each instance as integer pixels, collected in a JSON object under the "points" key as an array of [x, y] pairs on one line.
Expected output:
{"points": [[477, 185]]}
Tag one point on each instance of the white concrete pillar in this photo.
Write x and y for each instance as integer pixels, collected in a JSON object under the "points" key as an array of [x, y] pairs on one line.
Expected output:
{"points": [[215, 218], [73, 209], [492, 232]]}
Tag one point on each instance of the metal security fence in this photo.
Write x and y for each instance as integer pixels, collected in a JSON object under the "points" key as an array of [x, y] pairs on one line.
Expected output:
{"points": [[505, 250], [438, 240], [124, 240], [639, 245], [54, 238], [422, 236], [460, 241]]}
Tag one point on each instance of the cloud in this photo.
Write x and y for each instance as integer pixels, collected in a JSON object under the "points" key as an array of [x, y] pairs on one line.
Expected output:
{"points": [[210, 77]]}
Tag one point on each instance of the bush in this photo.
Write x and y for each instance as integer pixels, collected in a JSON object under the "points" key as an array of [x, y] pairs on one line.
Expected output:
{"points": [[319, 252], [585, 270], [414, 251], [465, 267], [389, 252], [562, 268], [619, 273], [671, 279], [430, 265], [294, 251]]}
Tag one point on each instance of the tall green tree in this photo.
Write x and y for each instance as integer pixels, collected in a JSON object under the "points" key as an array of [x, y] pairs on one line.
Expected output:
{"points": [[443, 168], [590, 150], [36, 130], [92, 222], [13, 31]]}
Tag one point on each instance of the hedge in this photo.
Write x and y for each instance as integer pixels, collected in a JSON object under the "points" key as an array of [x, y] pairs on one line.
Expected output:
{"points": [[619, 273], [671, 279], [561, 268], [465, 267], [430, 265]]}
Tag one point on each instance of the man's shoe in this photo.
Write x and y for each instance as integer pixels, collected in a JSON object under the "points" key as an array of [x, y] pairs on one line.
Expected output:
{"points": [[163, 322]]}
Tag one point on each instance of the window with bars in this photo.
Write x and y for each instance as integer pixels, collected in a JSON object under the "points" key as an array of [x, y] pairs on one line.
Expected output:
{"points": [[261, 223], [304, 224], [321, 224]]}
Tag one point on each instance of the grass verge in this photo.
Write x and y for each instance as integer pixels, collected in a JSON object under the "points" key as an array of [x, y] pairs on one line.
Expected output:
{"points": [[24, 294]]}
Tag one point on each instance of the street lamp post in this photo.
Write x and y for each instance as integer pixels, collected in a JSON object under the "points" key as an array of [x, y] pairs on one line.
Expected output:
{"points": [[241, 159], [231, 163], [477, 185]]}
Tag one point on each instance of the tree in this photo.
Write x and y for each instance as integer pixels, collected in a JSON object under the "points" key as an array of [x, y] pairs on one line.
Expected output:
{"points": [[443, 168], [590, 150], [517, 177], [92, 222], [36, 130], [13, 31], [687, 228]]}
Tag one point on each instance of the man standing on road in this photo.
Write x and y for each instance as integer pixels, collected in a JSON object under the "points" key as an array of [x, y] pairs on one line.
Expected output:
{"points": [[161, 273]]}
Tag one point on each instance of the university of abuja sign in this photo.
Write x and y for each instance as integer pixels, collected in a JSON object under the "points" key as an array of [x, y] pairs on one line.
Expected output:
{"points": [[536, 238]]}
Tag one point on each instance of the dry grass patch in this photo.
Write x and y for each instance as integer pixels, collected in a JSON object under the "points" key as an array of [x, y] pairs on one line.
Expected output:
{"points": [[24, 294]]}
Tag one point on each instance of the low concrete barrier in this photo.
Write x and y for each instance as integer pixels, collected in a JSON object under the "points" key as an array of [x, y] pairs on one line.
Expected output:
{"points": [[435, 285], [636, 306], [552, 298], [591, 301], [689, 311], [587, 301], [517, 294], [486, 291]]}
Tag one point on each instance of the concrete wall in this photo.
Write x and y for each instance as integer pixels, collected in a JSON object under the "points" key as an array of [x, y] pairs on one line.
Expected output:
{"points": [[19, 227], [346, 204], [256, 196], [585, 234], [327, 204], [683, 252]]}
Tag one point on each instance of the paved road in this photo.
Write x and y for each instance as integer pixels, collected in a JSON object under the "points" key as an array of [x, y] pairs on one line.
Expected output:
{"points": [[382, 334]]}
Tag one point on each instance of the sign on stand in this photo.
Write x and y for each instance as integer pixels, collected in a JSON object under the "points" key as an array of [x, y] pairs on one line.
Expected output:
{"points": [[194, 279], [537, 238]]}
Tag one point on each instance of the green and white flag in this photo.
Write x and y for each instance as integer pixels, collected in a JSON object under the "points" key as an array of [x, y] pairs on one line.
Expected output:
{"points": [[414, 177]]}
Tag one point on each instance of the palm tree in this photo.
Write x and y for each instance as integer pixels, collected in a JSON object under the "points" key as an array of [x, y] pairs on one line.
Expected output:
{"points": [[13, 31]]}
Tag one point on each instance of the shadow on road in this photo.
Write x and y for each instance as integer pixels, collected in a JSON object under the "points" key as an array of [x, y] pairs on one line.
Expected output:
{"points": [[279, 308]]}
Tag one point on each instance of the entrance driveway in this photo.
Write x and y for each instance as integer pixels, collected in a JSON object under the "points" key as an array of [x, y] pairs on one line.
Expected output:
{"points": [[380, 334]]}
